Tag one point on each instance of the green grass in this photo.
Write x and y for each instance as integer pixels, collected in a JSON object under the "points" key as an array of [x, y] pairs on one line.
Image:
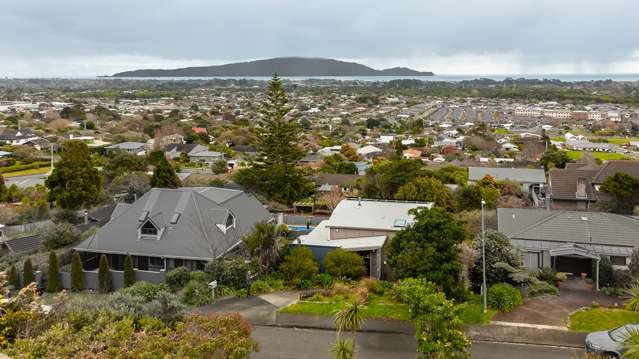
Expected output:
{"points": [[471, 312], [52, 298], [604, 156], [619, 140], [33, 171], [591, 320], [501, 131], [558, 139]]}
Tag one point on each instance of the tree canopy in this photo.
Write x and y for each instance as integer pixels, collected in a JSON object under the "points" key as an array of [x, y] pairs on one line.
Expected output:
{"points": [[623, 190], [425, 189], [430, 249], [164, 175], [74, 182]]}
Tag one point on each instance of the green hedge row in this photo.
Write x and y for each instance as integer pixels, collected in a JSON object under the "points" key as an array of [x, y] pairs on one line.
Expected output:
{"points": [[30, 166]]}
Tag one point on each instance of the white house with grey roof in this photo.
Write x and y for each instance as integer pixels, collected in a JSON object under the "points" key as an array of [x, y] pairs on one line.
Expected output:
{"points": [[364, 226], [570, 241], [169, 228]]}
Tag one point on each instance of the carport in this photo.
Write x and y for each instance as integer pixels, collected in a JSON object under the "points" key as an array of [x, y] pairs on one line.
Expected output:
{"points": [[575, 259]]}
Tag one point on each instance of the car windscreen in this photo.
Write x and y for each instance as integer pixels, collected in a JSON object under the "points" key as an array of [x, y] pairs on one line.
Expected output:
{"points": [[622, 333]]}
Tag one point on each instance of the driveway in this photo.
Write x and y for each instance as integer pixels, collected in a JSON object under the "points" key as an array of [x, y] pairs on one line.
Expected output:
{"points": [[259, 310], [554, 309]]}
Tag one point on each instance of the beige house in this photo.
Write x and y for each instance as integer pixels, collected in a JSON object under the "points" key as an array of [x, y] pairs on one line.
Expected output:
{"points": [[364, 226]]}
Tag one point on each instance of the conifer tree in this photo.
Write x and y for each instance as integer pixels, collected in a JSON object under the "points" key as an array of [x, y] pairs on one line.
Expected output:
{"points": [[129, 274], [275, 173], [13, 278], [164, 175], [77, 274], [53, 275], [104, 276], [28, 276]]}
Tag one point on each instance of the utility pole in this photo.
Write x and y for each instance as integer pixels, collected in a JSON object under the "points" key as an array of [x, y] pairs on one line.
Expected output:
{"points": [[483, 258]]}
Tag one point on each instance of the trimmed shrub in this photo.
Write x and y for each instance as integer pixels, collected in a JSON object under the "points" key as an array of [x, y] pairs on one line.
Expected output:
{"points": [[199, 276], [344, 265], [129, 274], [606, 274], [542, 288], [229, 272], [196, 293], [267, 285], [53, 274], [77, 274], [60, 235], [13, 279], [28, 275], [147, 291], [299, 264], [504, 297], [104, 275], [177, 278]]}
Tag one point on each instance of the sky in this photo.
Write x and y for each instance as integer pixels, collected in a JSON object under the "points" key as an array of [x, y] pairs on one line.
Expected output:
{"points": [[86, 38]]}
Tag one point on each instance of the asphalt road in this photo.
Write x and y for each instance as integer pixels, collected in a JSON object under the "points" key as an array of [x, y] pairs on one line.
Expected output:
{"points": [[283, 343]]}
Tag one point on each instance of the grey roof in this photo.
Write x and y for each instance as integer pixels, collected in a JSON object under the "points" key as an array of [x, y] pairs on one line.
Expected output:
{"points": [[373, 214], [598, 228], [521, 175], [24, 244], [187, 219], [126, 146]]}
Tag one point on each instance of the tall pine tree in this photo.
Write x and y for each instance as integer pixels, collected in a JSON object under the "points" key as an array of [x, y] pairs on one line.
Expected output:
{"points": [[74, 182], [275, 173], [53, 275], [77, 274], [28, 276], [13, 278], [164, 175]]}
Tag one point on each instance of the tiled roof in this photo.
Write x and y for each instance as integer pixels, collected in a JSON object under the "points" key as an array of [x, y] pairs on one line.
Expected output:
{"points": [[612, 167], [564, 183]]}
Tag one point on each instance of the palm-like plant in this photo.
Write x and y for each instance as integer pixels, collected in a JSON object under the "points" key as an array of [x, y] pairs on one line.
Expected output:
{"points": [[633, 293], [350, 318], [631, 344], [343, 349], [265, 242]]}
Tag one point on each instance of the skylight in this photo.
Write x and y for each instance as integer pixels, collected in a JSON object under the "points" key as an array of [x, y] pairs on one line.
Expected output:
{"points": [[400, 223]]}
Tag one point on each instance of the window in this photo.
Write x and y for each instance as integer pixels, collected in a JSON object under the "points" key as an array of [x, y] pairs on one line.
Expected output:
{"points": [[230, 221], [148, 229], [531, 260], [618, 260], [156, 262]]}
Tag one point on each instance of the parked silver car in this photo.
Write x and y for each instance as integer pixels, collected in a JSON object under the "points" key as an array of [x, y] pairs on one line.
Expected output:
{"points": [[610, 343]]}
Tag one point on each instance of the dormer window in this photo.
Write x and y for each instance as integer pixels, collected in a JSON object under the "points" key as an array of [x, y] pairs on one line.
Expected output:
{"points": [[230, 221], [148, 229]]}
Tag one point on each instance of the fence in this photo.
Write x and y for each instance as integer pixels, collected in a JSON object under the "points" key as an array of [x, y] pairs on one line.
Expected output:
{"points": [[117, 278], [299, 220], [12, 231]]}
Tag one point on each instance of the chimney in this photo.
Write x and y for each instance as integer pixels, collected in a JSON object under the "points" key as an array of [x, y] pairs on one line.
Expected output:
{"points": [[581, 188]]}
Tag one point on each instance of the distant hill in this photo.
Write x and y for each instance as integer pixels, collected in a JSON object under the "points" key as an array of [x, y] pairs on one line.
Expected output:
{"points": [[283, 66]]}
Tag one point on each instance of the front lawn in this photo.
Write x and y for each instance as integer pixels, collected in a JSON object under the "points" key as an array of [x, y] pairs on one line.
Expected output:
{"points": [[29, 172], [590, 320], [604, 156], [383, 307]]}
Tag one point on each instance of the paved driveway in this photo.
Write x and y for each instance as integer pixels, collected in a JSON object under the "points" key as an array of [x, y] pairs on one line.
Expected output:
{"points": [[259, 310], [554, 309]]}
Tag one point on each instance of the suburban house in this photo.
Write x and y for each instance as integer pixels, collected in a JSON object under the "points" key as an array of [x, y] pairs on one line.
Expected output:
{"points": [[136, 148], [412, 154], [17, 137], [312, 160], [569, 241], [531, 179], [169, 228], [364, 226], [577, 187], [369, 151], [195, 153]]}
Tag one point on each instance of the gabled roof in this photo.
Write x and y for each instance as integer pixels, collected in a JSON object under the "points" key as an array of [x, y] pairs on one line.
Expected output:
{"points": [[564, 183], [374, 214], [187, 219], [568, 226], [521, 175], [126, 146], [612, 167], [338, 179]]}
